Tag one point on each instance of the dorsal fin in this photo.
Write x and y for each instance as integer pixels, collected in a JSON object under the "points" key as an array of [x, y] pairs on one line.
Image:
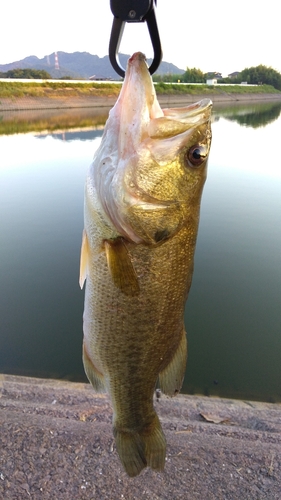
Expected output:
{"points": [[84, 259]]}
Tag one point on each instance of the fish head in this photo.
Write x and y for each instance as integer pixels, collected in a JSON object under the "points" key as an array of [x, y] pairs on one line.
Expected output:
{"points": [[158, 160]]}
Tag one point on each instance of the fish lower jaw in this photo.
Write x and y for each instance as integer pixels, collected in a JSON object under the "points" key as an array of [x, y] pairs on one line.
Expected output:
{"points": [[137, 56]]}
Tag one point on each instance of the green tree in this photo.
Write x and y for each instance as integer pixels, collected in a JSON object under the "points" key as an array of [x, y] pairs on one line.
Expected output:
{"points": [[261, 74], [168, 77], [193, 75], [27, 73]]}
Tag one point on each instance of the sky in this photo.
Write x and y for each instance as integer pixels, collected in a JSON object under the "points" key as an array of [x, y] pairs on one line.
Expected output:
{"points": [[212, 36]]}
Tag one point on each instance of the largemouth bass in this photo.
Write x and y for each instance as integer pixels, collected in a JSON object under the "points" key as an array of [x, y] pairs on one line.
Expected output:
{"points": [[142, 202]]}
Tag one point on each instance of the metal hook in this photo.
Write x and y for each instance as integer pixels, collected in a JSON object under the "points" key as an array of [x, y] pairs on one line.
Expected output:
{"points": [[133, 11]]}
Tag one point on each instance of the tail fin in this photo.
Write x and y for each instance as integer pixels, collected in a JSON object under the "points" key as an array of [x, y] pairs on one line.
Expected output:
{"points": [[143, 448]]}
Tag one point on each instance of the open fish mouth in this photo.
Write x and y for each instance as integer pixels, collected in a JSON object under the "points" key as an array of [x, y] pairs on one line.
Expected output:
{"points": [[139, 140], [178, 120]]}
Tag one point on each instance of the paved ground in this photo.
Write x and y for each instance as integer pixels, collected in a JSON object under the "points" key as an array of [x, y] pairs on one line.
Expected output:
{"points": [[56, 443], [28, 103]]}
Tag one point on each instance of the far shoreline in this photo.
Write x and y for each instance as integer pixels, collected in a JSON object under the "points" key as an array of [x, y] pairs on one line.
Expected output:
{"points": [[169, 100]]}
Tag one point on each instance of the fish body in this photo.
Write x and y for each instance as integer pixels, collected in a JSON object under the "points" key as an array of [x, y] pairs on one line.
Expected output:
{"points": [[142, 202]]}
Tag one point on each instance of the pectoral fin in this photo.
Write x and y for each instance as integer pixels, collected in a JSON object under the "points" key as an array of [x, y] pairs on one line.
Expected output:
{"points": [[171, 378], [120, 267], [84, 259]]}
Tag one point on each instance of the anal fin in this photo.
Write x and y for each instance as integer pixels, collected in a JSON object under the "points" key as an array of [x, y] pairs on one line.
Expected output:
{"points": [[92, 373], [171, 378], [120, 267]]}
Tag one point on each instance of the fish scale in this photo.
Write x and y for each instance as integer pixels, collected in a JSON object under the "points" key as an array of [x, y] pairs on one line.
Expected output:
{"points": [[142, 202]]}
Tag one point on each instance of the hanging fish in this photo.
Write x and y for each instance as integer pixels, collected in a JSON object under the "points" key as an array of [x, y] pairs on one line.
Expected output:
{"points": [[142, 202]]}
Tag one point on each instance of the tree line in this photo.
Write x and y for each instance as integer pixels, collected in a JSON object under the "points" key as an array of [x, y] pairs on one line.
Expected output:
{"points": [[26, 73], [258, 75]]}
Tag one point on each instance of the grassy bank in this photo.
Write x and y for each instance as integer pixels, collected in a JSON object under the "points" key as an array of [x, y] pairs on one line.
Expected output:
{"points": [[175, 88], [15, 89]]}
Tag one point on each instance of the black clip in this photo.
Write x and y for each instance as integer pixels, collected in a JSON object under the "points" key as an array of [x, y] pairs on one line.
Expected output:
{"points": [[133, 11]]}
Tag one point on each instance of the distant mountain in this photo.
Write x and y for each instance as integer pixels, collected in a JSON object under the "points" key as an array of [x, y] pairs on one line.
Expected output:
{"points": [[81, 65]]}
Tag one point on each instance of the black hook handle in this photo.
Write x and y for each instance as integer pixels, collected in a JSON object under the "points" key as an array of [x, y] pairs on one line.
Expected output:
{"points": [[133, 11]]}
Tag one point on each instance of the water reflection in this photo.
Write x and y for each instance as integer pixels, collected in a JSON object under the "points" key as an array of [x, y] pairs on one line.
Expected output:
{"points": [[254, 115], [78, 135], [15, 122], [233, 313]]}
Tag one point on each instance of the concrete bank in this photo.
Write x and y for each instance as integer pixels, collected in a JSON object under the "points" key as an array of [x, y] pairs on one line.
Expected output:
{"points": [[56, 443], [29, 103]]}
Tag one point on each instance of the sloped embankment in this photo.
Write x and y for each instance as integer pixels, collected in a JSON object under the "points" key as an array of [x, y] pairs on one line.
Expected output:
{"points": [[56, 443]]}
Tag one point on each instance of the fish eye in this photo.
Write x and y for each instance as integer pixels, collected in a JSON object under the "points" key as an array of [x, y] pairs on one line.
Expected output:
{"points": [[196, 155]]}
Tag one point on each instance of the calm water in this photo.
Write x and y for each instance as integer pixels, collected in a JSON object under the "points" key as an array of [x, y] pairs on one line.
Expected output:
{"points": [[233, 315]]}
